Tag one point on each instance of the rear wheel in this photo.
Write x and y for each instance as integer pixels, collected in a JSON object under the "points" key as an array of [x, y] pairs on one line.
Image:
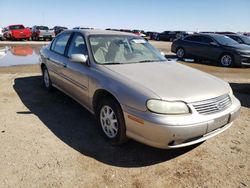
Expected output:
{"points": [[180, 53], [46, 79], [111, 120], [226, 60]]}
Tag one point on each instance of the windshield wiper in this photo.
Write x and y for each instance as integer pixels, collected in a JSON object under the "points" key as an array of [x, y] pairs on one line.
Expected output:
{"points": [[112, 63], [146, 61]]}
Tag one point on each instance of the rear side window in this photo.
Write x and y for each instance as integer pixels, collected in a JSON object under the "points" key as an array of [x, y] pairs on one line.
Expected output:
{"points": [[194, 38], [206, 40], [60, 43]]}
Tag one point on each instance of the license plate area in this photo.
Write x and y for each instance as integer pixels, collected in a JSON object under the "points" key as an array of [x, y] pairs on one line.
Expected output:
{"points": [[218, 123]]}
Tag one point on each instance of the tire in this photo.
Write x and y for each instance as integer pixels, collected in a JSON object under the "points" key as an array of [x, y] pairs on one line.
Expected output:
{"points": [[226, 60], [111, 121], [180, 53], [46, 79]]}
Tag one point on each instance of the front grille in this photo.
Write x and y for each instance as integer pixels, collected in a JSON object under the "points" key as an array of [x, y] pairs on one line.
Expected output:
{"points": [[212, 105]]}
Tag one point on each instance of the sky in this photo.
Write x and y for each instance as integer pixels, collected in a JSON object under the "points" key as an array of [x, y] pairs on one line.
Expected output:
{"points": [[148, 15]]}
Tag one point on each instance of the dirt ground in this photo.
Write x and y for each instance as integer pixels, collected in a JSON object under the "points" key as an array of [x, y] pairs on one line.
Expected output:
{"points": [[49, 140]]}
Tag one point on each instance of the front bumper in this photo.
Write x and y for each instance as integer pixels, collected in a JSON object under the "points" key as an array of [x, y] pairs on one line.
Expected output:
{"points": [[164, 131], [243, 59]]}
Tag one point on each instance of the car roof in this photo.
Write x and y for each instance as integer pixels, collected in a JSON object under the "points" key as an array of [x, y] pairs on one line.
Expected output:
{"points": [[15, 25], [237, 35], [88, 32], [206, 34]]}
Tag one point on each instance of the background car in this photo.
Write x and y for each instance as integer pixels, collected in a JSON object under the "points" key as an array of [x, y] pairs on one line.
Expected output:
{"points": [[247, 34], [59, 29], [42, 33], [139, 32], [1, 33], [242, 39], [170, 35], [215, 47], [124, 30], [79, 27], [17, 32]]}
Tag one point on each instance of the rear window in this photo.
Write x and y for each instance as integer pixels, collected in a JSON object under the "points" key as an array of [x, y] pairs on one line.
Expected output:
{"points": [[14, 27], [42, 27]]}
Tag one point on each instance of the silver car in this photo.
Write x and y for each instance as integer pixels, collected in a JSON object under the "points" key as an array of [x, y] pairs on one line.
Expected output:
{"points": [[134, 92]]}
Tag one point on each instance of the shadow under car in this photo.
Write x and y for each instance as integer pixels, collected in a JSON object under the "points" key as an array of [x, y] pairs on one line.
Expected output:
{"points": [[76, 127]]}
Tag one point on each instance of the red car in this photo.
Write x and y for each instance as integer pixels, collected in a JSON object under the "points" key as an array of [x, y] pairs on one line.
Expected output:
{"points": [[15, 32]]}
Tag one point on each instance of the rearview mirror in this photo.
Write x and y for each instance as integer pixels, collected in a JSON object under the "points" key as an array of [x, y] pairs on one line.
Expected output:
{"points": [[79, 58]]}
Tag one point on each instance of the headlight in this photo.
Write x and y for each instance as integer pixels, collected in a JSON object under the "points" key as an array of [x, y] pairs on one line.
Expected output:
{"points": [[230, 91], [165, 107], [243, 53]]}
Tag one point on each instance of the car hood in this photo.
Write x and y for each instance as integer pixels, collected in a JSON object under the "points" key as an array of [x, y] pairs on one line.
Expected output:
{"points": [[172, 81], [240, 47]]}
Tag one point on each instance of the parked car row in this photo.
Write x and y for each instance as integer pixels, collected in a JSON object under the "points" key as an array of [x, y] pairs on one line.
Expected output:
{"points": [[135, 31], [228, 50], [37, 32]]}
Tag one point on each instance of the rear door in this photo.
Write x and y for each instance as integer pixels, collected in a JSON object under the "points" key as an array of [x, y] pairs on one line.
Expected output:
{"points": [[77, 74], [57, 59], [192, 46]]}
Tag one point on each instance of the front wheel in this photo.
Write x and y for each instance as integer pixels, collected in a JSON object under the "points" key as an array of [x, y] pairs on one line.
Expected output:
{"points": [[226, 60], [111, 121]]}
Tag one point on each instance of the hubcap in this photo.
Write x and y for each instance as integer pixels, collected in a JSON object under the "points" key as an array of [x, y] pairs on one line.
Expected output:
{"points": [[46, 78], [226, 60], [109, 121], [180, 53]]}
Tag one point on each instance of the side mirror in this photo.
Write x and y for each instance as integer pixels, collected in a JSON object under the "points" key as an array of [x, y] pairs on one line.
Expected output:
{"points": [[79, 58], [213, 44]]}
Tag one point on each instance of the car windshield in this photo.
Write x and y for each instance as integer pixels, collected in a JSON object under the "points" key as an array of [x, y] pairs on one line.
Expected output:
{"points": [[14, 27], [245, 39], [110, 49], [225, 40], [43, 28]]}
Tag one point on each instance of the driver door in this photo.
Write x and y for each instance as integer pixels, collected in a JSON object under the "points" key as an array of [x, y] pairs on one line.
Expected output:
{"points": [[77, 74]]}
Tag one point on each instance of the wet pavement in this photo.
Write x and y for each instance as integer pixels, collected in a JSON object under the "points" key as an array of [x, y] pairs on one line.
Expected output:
{"points": [[19, 55]]}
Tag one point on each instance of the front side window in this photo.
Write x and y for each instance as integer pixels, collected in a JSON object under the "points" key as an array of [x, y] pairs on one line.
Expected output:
{"points": [[225, 40], [77, 46], [108, 49], [60, 43]]}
